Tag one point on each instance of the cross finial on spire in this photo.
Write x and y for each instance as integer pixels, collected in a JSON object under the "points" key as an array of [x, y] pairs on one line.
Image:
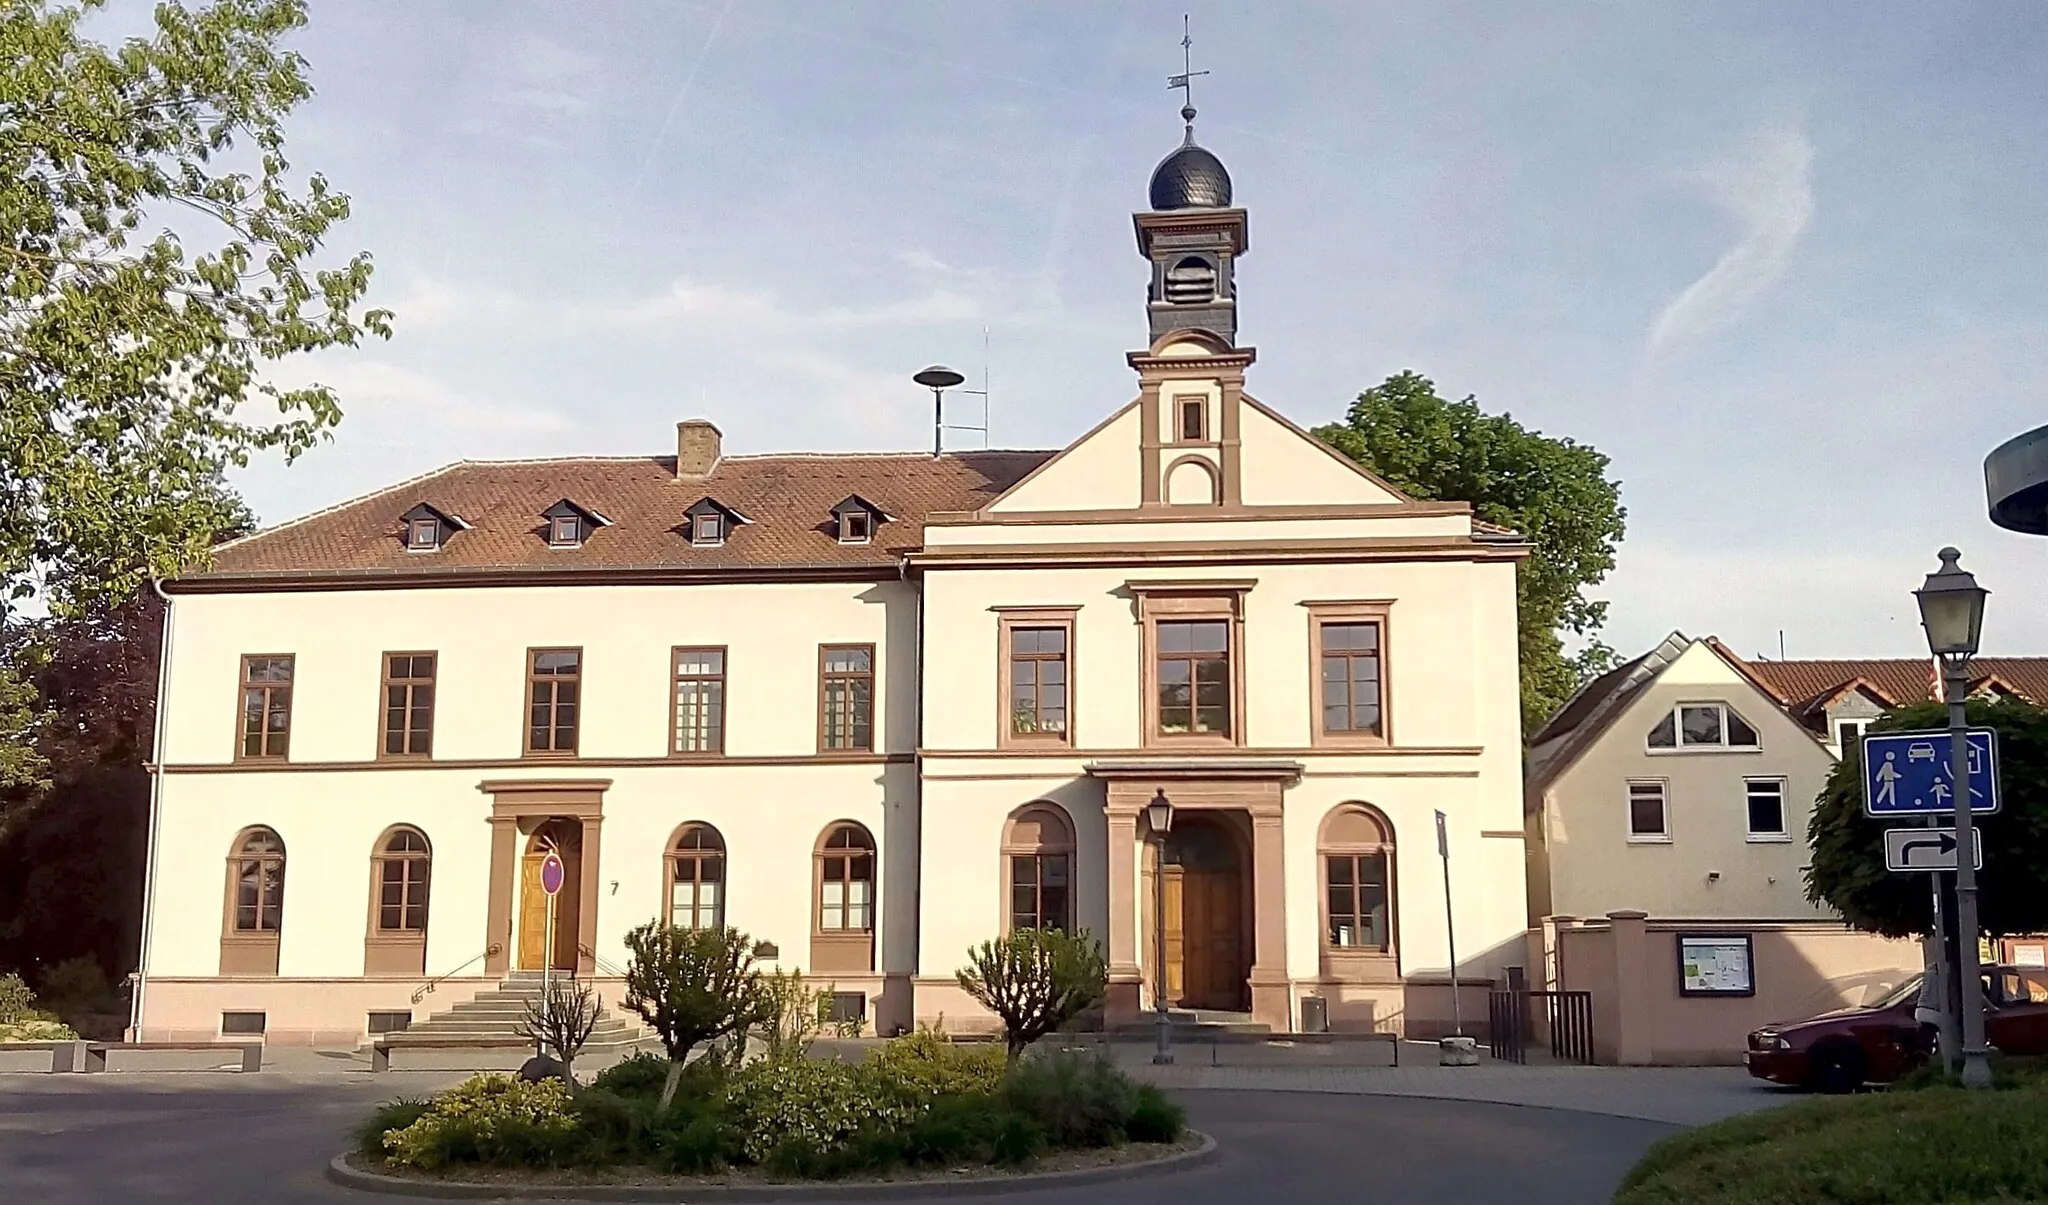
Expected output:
{"points": [[1185, 80]]}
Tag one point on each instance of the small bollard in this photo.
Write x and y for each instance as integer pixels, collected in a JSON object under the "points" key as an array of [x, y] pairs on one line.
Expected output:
{"points": [[1459, 1051]]}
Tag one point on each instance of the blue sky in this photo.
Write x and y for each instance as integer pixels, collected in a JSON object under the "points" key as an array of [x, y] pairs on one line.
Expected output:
{"points": [[1786, 264]]}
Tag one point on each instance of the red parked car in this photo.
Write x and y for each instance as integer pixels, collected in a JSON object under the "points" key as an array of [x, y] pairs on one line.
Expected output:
{"points": [[1877, 1043]]}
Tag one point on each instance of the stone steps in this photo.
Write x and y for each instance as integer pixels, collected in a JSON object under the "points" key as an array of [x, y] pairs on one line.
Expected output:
{"points": [[495, 1014]]}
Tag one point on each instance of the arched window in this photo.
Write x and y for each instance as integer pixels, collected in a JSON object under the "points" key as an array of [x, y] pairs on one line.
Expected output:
{"points": [[1038, 845], [1356, 847], [401, 869], [696, 878], [255, 904], [403, 866], [844, 937]]}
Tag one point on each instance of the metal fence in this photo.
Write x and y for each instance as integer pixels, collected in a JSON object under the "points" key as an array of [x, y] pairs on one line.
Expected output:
{"points": [[1567, 1018]]}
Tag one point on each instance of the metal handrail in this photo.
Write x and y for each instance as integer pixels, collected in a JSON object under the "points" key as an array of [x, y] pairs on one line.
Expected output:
{"points": [[427, 988], [600, 962]]}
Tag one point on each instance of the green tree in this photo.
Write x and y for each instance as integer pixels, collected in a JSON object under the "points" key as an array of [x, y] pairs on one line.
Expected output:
{"points": [[1035, 980], [1847, 871], [156, 251], [693, 986], [1553, 490]]}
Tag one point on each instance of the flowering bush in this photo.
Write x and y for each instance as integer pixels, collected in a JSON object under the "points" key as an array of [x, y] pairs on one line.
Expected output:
{"points": [[489, 1119], [21, 1020], [816, 1104], [925, 1065]]}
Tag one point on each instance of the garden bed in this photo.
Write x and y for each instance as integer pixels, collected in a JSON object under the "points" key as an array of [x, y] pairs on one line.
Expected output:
{"points": [[1059, 1169], [918, 1110]]}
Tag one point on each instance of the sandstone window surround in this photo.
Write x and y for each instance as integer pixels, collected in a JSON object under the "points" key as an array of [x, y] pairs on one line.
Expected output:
{"points": [[265, 728], [1038, 857], [1348, 660], [1193, 670], [554, 701], [695, 870], [1355, 853], [1035, 676], [697, 706], [254, 912], [846, 698], [843, 883], [408, 706], [400, 877]]}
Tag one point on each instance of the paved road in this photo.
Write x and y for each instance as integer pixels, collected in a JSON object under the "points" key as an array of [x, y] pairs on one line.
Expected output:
{"points": [[74, 1141]]}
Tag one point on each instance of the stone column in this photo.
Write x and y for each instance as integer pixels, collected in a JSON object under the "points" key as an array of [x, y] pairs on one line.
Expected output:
{"points": [[1272, 993], [1634, 995], [1125, 977], [586, 904], [498, 897]]}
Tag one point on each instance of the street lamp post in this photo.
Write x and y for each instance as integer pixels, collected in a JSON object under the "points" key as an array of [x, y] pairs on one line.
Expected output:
{"points": [[1952, 611], [1159, 816]]}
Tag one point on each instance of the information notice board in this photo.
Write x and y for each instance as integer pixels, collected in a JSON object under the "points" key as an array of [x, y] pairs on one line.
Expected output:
{"points": [[1715, 964]]}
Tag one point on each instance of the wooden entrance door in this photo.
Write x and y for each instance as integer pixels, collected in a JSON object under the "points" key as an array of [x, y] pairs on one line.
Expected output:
{"points": [[1204, 909], [565, 838]]}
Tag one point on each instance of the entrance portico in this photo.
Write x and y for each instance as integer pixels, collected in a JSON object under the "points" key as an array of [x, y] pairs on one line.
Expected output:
{"points": [[1224, 886], [528, 819]]}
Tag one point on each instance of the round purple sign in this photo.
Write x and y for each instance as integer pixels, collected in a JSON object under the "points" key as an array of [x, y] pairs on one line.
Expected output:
{"points": [[551, 873]]}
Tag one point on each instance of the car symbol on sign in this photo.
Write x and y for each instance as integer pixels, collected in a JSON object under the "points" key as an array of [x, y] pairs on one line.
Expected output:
{"points": [[1920, 751]]}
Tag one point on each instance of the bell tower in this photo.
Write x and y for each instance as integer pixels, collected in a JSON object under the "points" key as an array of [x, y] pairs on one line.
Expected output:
{"points": [[1192, 236]]}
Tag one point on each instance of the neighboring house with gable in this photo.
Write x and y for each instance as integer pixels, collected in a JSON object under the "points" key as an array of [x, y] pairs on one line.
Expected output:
{"points": [[1675, 783]]}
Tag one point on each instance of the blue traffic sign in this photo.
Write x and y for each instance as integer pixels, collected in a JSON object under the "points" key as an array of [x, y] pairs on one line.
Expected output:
{"points": [[1912, 773]]}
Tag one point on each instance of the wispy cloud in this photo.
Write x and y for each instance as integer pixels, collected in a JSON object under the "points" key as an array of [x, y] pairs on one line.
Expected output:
{"points": [[388, 402], [1766, 184]]}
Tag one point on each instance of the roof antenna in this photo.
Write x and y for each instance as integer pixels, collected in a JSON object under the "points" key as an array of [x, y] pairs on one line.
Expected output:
{"points": [[1185, 80], [1781, 644]]}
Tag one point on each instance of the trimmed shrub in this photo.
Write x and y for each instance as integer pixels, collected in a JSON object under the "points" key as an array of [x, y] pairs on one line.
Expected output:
{"points": [[391, 1115], [1079, 1100], [816, 1104], [919, 1067], [490, 1119], [1154, 1117], [639, 1074], [693, 1140]]}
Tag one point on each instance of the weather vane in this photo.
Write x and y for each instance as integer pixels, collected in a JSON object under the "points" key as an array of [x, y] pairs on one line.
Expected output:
{"points": [[1185, 80]]}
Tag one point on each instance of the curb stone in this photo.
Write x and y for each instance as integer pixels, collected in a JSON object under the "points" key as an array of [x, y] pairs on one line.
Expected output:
{"points": [[341, 1172]]}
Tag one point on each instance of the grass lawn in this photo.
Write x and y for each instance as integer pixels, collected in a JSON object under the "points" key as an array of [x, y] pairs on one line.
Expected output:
{"points": [[1919, 1143]]}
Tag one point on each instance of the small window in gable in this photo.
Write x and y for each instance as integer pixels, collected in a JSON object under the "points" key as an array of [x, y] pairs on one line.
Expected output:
{"points": [[1703, 726], [855, 518], [569, 525], [427, 529]]}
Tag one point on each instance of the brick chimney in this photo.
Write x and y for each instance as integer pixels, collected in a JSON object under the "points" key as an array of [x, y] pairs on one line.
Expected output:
{"points": [[696, 449]]}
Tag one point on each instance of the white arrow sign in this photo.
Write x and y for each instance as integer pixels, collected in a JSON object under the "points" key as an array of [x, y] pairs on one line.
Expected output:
{"points": [[1911, 849]]}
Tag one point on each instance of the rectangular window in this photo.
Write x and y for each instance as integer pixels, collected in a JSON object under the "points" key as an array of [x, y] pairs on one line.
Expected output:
{"points": [[244, 1024], [565, 531], [266, 707], [1766, 799], [259, 895], [707, 530], [1351, 678], [1849, 735], [699, 701], [1038, 681], [408, 704], [1648, 814], [390, 1022], [848, 1007], [855, 526], [1194, 418], [1038, 891], [1194, 677], [846, 691], [554, 700], [1358, 901], [402, 895], [423, 535]]}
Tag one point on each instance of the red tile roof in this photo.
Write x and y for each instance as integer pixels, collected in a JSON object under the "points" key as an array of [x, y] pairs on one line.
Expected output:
{"points": [[1804, 686], [787, 499]]}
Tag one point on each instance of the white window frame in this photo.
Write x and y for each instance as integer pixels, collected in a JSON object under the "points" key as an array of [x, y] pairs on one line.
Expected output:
{"points": [[1862, 722], [1676, 715], [1784, 833], [1628, 817], [707, 531]]}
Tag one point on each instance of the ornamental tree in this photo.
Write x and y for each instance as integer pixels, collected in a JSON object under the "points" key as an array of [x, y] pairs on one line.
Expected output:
{"points": [[1848, 873], [561, 1018], [1553, 490], [693, 986], [1036, 980]]}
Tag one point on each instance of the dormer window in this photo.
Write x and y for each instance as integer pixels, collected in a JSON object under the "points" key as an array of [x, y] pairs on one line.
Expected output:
{"points": [[427, 529], [1698, 726], [569, 524], [854, 520], [709, 523]]}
